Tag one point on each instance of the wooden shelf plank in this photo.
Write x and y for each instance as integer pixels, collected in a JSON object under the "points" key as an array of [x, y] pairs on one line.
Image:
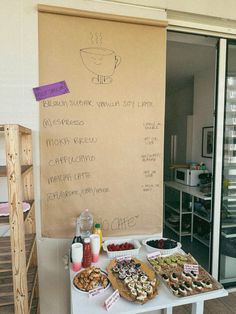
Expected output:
{"points": [[6, 278], [22, 129], [6, 291], [7, 309], [5, 249], [24, 170], [5, 241], [5, 255], [3, 171], [7, 285]]}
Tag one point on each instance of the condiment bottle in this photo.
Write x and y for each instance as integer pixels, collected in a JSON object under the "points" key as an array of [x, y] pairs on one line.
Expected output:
{"points": [[76, 239], [87, 254], [98, 230]]}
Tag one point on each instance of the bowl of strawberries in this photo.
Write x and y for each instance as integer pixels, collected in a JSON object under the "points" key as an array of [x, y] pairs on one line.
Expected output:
{"points": [[121, 247]]}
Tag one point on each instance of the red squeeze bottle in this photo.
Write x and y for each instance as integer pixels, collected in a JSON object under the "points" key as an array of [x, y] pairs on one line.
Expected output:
{"points": [[87, 254]]}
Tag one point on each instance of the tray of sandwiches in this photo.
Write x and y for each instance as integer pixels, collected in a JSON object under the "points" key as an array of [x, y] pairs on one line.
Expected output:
{"points": [[172, 271], [135, 280]]}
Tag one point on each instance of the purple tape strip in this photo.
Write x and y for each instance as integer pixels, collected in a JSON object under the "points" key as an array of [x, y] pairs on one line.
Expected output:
{"points": [[50, 90]]}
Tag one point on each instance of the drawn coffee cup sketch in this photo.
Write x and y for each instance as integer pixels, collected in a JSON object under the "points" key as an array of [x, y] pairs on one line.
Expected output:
{"points": [[100, 61]]}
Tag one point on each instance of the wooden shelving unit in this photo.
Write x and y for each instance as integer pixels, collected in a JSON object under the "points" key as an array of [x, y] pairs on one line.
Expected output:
{"points": [[18, 252]]}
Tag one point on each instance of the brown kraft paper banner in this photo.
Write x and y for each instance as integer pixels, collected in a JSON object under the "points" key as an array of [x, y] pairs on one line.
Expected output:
{"points": [[101, 145]]}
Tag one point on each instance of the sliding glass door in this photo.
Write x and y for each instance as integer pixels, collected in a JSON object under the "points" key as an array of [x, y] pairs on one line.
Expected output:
{"points": [[201, 98], [228, 204], [189, 142]]}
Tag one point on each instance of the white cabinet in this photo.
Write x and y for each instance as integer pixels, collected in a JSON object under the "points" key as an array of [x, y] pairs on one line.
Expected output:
{"points": [[178, 209], [188, 213]]}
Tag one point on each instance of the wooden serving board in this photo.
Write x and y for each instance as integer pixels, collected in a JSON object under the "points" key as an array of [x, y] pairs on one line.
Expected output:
{"points": [[203, 275], [167, 269], [123, 290]]}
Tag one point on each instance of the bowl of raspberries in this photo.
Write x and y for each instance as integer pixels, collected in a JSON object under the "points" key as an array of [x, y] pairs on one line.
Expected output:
{"points": [[121, 247], [164, 245]]}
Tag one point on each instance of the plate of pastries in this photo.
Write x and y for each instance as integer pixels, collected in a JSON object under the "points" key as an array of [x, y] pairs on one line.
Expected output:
{"points": [[89, 279]]}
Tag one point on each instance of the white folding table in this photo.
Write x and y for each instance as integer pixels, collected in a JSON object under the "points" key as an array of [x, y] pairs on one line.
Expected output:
{"points": [[165, 300]]}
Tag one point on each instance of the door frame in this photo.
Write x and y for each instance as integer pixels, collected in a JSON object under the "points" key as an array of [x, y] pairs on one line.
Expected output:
{"points": [[222, 34], [218, 157]]}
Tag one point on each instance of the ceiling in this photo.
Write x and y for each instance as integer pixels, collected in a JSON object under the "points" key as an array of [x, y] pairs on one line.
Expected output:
{"points": [[187, 55]]}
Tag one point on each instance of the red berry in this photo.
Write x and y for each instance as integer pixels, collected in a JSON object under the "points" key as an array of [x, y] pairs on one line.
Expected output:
{"points": [[160, 244], [112, 247]]}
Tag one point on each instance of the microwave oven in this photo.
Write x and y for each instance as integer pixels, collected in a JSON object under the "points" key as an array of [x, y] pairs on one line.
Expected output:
{"points": [[188, 176]]}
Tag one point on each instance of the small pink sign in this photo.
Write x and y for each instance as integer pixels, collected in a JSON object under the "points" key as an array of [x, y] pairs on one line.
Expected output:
{"points": [[50, 90], [112, 300], [123, 258], [153, 255], [95, 292], [191, 267]]}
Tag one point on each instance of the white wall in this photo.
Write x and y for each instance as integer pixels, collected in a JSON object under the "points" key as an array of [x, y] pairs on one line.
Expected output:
{"points": [[19, 73], [203, 111], [179, 104], [214, 8]]}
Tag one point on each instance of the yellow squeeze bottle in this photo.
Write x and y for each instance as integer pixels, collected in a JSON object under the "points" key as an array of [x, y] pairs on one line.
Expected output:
{"points": [[97, 230]]}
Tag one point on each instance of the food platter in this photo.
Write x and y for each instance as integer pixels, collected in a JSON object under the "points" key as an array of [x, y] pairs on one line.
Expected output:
{"points": [[135, 280], [181, 283], [89, 279]]}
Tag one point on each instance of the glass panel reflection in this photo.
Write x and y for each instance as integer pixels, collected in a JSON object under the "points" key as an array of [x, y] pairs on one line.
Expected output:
{"points": [[228, 208]]}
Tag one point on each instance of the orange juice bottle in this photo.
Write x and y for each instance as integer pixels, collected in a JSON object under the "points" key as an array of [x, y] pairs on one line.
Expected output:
{"points": [[98, 230]]}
